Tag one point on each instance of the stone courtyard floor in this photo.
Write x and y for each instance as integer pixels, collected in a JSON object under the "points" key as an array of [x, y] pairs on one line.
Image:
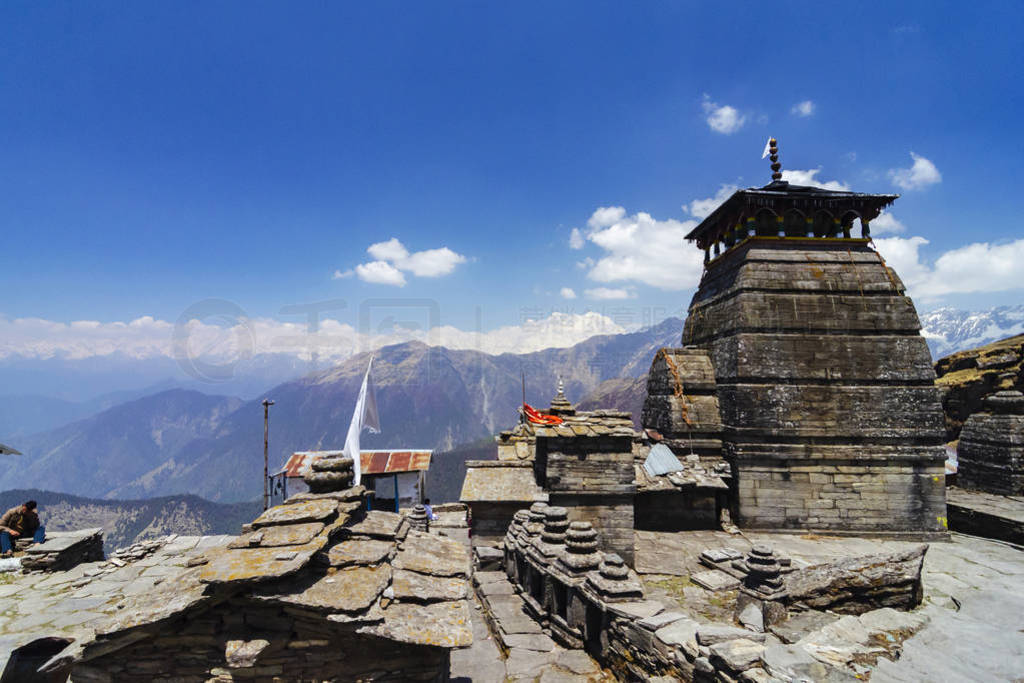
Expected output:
{"points": [[973, 596]]}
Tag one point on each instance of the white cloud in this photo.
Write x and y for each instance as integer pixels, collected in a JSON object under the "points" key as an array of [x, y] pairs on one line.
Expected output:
{"points": [[605, 216], [392, 250], [642, 249], [976, 267], [576, 239], [392, 259], [722, 119], [921, 174], [885, 223], [702, 208], [803, 109], [568, 293], [236, 337], [380, 273], [808, 178], [342, 274], [608, 293]]}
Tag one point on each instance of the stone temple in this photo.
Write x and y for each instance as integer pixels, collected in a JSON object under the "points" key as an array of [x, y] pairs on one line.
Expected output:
{"points": [[830, 415], [803, 396]]}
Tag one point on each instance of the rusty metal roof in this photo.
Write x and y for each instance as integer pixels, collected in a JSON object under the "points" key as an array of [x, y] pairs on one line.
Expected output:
{"points": [[371, 462]]}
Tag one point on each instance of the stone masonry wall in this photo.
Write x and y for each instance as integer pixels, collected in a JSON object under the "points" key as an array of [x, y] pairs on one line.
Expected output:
{"points": [[240, 640], [610, 515], [841, 495]]}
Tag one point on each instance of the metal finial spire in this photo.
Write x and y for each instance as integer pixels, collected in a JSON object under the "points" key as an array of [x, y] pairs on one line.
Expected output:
{"points": [[561, 387], [773, 150]]}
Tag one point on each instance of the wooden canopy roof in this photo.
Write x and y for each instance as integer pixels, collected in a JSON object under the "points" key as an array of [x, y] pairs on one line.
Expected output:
{"points": [[781, 198]]}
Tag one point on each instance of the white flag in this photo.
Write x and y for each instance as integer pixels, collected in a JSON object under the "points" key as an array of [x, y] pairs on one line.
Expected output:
{"points": [[767, 148], [364, 416]]}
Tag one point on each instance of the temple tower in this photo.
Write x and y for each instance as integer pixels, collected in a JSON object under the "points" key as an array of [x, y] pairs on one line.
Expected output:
{"points": [[831, 418]]}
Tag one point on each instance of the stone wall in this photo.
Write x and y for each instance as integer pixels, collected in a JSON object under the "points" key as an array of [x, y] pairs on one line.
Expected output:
{"points": [[676, 510], [825, 387], [841, 495], [490, 520], [243, 640], [991, 451], [593, 478], [587, 465], [610, 515]]}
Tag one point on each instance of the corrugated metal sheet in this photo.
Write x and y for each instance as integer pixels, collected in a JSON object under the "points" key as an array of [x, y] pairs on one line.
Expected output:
{"points": [[661, 460], [372, 462]]}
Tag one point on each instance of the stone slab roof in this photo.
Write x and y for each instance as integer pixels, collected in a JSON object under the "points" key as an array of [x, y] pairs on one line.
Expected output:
{"points": [[586, 424], [320, 554], [498, 484]]}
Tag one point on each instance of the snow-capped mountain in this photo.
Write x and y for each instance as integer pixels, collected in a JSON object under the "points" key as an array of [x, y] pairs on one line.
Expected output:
{"points": [[949, 330]]}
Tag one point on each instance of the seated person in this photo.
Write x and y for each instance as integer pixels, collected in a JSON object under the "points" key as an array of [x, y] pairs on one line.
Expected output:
{"points": [[20, 522], [430, 511]]}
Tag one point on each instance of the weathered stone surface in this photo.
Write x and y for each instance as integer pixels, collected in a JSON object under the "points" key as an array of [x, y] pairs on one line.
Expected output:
{"points": [[710, 634], [751, 618], [257, 564], [792, 663], [413, 587], [991, 450], [737, 655], [296, 513], [434, 555], [273, 536], [715, 580], [800, 624], [244, 653], [538, 642], [678, 633], [359, 551], [376, 524], [442, 624], [858, 585], [352, 589], [354, 493]]}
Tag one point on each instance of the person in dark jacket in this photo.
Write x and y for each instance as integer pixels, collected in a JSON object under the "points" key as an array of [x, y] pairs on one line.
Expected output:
{"points": [[20, 522]]}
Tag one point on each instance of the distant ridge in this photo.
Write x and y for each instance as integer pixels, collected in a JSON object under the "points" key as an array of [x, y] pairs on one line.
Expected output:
{"points": [[127, 521], [183, 441]]}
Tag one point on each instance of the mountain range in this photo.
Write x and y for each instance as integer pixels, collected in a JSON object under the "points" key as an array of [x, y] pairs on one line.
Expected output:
{"points": [[949, 330], [126, 521], [182, 441]]}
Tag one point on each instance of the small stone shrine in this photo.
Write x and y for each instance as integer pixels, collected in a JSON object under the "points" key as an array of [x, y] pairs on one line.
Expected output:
{"points": [[313, 589], [585, 464], [830, 415], [991, 451]]}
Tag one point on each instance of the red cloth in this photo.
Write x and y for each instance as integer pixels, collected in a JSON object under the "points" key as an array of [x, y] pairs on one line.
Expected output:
{"points": [[538, 418]]}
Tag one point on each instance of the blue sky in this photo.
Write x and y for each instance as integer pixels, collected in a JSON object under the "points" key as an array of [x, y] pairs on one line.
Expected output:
{"points": [[156, 155]]}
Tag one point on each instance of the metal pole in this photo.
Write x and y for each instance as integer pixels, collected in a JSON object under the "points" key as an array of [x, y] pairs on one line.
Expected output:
{"points": [[266, 443]]}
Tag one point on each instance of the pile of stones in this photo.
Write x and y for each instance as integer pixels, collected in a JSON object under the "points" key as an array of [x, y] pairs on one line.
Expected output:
{"points": [[63, 550], [140, 549], [330, 474]]}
